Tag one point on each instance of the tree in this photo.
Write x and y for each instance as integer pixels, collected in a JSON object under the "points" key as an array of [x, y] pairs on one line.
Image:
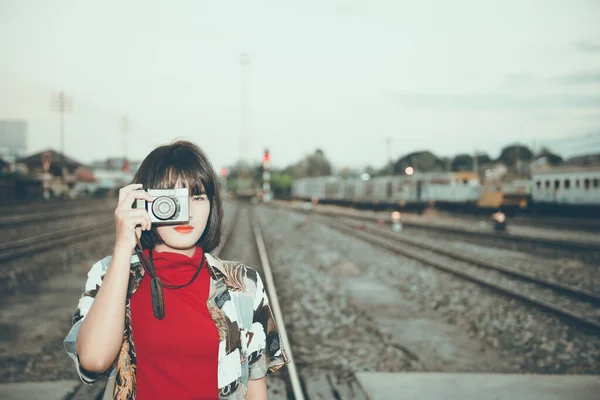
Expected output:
{"points": [[373, 172], [553, 158], [421, 161], [281, 184], [483, 158], [462, 162], [315, 164], [318, 164], [510, 154]]}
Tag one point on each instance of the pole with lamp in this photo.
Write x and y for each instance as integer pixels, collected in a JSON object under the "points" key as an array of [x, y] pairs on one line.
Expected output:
{"points": [[62, 103], [266, 176]]}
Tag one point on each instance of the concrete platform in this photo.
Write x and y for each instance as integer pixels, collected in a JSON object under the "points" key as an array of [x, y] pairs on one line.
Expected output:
{"points": [[450, 386], [54, 390]]}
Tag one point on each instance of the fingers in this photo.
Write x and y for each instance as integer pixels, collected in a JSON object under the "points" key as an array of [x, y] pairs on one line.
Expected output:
{"points": [[130, 197], [126, 189], [138, 232], [133, 218]]}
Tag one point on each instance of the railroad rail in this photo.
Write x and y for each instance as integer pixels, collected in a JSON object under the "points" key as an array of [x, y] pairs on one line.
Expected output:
{"points": [[567, 244], [292, 377], [579, 224], [46, 241], [582, 224], [572, 303], [25, 207], [13, 220]]}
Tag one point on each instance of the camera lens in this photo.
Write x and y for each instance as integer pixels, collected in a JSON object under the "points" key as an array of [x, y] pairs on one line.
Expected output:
{"points": [[164, 207]]}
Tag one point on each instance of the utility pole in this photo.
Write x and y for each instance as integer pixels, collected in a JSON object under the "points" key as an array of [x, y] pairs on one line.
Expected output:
{"points": [[62, 103], [388, 145], [125, 125], [266, 176], [244, 62], [518, 162]]}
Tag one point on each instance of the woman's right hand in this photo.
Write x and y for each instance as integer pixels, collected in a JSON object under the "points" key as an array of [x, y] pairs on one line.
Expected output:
{"points": [[130, 221]]}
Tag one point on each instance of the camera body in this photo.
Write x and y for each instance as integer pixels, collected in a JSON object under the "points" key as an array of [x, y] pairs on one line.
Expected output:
{"points": [[170, 206]]}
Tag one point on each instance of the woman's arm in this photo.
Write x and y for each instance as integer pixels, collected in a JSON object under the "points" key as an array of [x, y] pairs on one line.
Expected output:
{"points": [[257, 389], [101, 333], [264, 349]]}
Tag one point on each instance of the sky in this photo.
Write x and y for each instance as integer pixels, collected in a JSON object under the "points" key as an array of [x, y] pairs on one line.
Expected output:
{"points": [[363, 80]]}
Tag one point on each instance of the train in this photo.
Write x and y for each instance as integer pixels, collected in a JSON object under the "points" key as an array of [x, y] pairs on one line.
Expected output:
{"points": [[555, 190], [567, 188]]}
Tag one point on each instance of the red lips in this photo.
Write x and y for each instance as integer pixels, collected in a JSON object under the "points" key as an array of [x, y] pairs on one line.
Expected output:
{"points": [[184, 228]]}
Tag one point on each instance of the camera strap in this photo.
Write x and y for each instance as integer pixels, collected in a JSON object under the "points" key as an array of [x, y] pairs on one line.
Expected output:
{"points": [[158, 300]]}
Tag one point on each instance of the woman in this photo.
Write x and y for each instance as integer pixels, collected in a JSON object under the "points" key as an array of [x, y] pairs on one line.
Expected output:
{"points": [[164, 317]]}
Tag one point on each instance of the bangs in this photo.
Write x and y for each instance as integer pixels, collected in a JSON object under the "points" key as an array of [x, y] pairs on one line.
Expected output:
{"points": [[167, 166], [191, 179]]}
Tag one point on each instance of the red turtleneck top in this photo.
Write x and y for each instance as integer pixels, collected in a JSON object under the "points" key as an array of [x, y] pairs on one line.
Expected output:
{"points": [[177, 357]]}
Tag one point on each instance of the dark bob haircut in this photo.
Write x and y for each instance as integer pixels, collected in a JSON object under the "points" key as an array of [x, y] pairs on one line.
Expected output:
{"points": [[186, 161]]}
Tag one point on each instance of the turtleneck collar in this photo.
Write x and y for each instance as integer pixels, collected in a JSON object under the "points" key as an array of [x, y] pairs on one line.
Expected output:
{"points": [[168, 260]]}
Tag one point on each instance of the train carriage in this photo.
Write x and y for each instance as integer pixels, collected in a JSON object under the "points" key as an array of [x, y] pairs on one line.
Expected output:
{"points": [[566, 188], [555, 190], [417, 191], [451, 188]]}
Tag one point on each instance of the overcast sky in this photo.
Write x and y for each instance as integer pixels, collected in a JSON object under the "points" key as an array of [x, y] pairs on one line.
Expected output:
{"points": [[448, 76]]}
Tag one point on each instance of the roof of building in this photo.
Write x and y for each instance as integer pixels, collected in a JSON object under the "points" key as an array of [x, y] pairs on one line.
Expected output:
{"points": [[564, 169], [35, 160]]}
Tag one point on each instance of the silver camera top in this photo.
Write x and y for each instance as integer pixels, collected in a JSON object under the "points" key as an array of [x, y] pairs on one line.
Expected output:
{"points": [[170, 206], [177, 192]]}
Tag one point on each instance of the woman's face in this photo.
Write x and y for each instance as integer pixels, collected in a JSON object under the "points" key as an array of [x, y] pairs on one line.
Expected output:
{"points": [[185, 236]]}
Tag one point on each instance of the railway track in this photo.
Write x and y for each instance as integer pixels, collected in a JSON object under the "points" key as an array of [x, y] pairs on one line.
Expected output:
{"points": [[50, 206], [509, 238], [576, 224], [14, 220], [540, 221], [291, 376], [310, 381], [576, 305], [37, 244]]}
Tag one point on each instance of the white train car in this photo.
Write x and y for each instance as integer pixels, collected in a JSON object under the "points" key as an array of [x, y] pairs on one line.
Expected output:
{"points": [[400, 190], [450, 187], [385, 191], [567, 186], [320, 187], [333, 188], [349, 188]]}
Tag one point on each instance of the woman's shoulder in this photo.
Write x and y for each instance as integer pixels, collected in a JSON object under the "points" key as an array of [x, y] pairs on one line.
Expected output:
{"points": [[237, 273], [100, 267]]}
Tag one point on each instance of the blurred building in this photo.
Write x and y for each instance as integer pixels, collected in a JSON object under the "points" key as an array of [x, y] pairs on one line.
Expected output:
{"points": [[60, 175], [587, 159], [13, 142], [114, 173], [116, 164], [492, 170]]}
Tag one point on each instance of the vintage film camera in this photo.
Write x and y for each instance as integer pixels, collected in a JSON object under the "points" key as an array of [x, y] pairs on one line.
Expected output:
{"points": [[170, 206]]}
